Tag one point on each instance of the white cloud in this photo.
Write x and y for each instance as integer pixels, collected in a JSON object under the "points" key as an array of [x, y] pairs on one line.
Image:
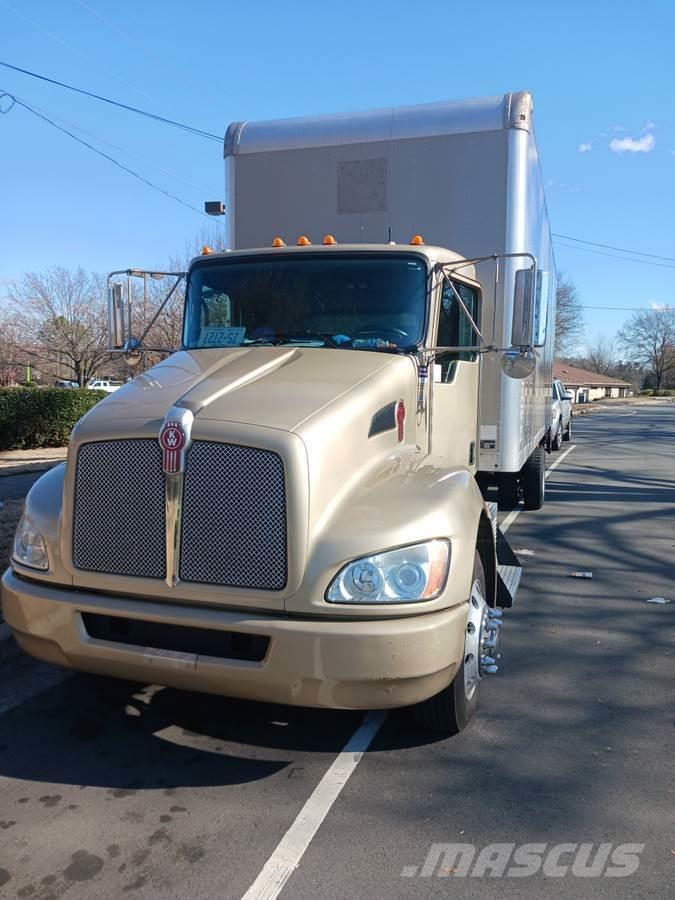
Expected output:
{"points": [[649, 126], [585, 146], [644, 144], [618, 128]]}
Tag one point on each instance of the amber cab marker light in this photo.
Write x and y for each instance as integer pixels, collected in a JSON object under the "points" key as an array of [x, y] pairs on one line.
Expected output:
{"points": [[329, 239], [303, 241], [206, 250], [278, 242], [417, 240]]}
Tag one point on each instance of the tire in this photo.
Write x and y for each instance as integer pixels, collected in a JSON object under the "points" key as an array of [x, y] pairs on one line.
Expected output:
{"points": [[509, 491], [567, 433], [556, 443], [450, 711], [533, 481]]}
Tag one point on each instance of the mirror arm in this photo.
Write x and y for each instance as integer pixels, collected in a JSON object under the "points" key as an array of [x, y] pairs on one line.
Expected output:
{"points": [[179, 278], [476, 330], [486, 348]]}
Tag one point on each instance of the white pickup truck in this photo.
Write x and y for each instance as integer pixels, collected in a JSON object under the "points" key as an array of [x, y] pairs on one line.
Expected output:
{"points": [[561, 415], [100, 384]]}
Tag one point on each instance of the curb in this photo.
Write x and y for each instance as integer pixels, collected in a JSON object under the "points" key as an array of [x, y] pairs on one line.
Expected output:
{"points": [[9, 649], [7, 471]]}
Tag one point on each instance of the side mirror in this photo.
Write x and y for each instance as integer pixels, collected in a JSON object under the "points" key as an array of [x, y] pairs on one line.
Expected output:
{"points": [[518, 364], [116, 330], [522, 325], [568, 396], [132, 352]]}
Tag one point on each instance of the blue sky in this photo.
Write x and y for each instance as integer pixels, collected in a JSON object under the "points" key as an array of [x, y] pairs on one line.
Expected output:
{"points": [[602, 76]]}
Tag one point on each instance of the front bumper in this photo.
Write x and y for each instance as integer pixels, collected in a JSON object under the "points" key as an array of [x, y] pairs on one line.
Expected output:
{"points": [[339, 664]]}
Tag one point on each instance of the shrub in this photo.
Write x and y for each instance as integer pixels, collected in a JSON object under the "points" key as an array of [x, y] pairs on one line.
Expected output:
{"points": [[42, 417]]}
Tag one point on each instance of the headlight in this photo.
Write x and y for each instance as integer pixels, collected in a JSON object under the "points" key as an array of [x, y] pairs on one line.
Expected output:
{"points": [[29, 546], [406, 575]]}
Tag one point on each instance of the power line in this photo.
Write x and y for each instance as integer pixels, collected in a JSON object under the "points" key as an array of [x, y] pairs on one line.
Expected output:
{"points": [[666, 309], [59, 40], [567, 237], [125, 106], [644, 262], [97, 137], [111, 159]]}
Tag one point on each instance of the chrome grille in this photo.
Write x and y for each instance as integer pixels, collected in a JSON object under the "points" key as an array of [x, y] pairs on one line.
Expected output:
{"points": [[234, 517], [118, 524]]}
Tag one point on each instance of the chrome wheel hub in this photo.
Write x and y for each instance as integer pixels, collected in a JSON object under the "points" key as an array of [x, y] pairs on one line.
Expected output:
{"points": [[481, 644]]}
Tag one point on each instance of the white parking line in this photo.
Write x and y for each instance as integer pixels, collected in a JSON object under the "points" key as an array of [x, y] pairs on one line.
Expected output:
{"points": [[513, 515], [285, 859], [290, 849]]}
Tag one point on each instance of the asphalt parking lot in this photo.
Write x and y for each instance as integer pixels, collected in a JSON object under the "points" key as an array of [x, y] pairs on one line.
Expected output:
{"points": [[111, 789]]}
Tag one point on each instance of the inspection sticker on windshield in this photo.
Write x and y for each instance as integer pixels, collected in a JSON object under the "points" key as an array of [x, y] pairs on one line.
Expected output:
{"points": [[221, 336]]}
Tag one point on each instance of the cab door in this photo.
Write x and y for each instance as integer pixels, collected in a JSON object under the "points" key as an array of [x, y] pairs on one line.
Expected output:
{"points": [[456, 379]]}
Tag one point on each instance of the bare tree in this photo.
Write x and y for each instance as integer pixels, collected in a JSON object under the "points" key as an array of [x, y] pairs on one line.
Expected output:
{"points": [[569, 316], [59, 316], [12, 360], [649, 338], [601, 356]]}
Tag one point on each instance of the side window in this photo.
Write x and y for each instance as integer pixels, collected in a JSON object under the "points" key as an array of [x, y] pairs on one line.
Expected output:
{"points": [[541, 308], [454, 329]]}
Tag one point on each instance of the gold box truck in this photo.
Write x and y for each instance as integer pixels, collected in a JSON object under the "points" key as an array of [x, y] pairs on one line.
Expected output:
{"points": [[288, 507]]}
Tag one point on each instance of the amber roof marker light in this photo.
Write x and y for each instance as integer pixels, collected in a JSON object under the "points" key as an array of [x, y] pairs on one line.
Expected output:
{"points": [[329, 240], [278, 242], [417, 240], [206, 251], [303, 241]]}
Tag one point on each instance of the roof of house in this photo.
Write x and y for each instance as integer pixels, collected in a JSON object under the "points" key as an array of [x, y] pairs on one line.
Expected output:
{"points": [[573, 376]]}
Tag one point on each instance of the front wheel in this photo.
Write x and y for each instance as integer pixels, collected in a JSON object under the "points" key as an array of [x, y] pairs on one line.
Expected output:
{"points": [[451, 710]]}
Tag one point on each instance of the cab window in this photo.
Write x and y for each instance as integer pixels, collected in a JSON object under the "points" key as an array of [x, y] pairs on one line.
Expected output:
{"points": [[454, 328]]}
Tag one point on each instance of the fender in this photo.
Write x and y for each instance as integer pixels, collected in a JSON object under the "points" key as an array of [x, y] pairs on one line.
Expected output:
{"points": [[414, 499], [43, 507]]}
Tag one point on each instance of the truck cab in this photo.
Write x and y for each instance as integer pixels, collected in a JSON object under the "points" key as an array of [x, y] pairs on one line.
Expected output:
{"points": [[287, 508]]}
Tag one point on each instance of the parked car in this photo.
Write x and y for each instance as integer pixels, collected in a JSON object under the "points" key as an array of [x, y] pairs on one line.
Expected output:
{"points": [[62, 383], [100, 384], [561, 415]]}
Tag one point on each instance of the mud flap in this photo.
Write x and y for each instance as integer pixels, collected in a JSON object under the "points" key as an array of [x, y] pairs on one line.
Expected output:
{"points": [[509, 570]]}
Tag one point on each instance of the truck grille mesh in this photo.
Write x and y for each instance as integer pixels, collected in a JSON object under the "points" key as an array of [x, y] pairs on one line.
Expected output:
{"points": [[234, 517], [118, 525], [234, 513]]}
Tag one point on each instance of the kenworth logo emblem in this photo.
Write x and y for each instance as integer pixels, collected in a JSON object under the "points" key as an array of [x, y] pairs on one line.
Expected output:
{"points": [[174, 438]]}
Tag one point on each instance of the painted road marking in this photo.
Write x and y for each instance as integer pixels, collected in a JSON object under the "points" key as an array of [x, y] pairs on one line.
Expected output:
{"points": [[286, 858], [513, 515]]}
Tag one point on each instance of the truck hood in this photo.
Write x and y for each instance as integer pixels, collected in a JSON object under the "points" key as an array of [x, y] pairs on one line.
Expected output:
{"points": [[276, 387], [329, 414]]}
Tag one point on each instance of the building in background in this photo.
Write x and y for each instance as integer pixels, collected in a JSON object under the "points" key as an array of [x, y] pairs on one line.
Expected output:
{"points": [[588, 386]]}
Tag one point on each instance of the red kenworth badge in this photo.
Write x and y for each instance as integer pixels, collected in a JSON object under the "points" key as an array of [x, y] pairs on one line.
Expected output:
{"points": [[172, 439]]}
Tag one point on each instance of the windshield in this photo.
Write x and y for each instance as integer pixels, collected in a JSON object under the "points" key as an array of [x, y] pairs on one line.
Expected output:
{"points": [[366, 302]]}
